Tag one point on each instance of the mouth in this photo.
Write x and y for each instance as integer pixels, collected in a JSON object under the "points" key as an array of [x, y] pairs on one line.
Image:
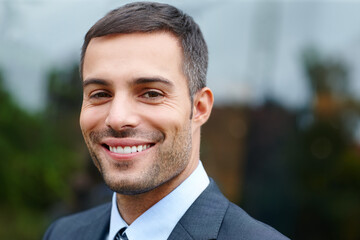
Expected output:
{"points": [[128, 149]]}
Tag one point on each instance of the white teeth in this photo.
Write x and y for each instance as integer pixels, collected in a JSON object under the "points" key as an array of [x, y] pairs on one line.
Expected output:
{"points": [[120, 150], [139, 148], [133, 149], [129, 149]]}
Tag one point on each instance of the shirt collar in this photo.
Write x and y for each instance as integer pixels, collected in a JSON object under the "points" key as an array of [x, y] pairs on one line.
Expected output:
{"points": [[159, 220], [116, 221]]}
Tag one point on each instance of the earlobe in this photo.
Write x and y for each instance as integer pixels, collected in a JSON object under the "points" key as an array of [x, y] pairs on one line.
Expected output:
{"points": [[203, 103]]}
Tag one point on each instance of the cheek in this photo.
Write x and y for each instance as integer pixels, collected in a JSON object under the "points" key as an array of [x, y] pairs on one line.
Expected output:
{"points": [[169, 118], [90, 119], [169, 123]]}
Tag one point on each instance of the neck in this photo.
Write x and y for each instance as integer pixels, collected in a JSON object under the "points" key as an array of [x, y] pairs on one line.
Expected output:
{"points": [[132, 206]]}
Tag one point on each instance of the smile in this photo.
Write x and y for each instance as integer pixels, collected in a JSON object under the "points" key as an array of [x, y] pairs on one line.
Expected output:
{"points": [[129, 149]]}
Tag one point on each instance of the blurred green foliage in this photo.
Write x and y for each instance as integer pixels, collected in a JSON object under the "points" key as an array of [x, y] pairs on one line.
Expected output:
{"points": [[36, 165]]}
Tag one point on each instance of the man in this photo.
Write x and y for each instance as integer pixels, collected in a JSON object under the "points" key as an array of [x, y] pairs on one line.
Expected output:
{"points": [[145, 99]]}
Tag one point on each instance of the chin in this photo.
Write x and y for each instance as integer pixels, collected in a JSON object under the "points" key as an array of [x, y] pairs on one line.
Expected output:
{"points": [[128, 187]]}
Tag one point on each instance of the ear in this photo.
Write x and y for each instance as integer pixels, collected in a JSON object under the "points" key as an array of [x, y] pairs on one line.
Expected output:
{"points": [[202, 106]]}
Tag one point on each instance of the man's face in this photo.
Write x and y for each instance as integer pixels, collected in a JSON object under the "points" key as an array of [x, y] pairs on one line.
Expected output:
{"points": [[136, 109]]}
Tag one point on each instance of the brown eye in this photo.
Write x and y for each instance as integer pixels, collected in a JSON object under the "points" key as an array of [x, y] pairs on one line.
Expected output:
{"points": [[152, 94], [100, 95]]}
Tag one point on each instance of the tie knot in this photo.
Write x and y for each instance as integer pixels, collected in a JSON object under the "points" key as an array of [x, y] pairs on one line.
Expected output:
{"points": [[121, 235]]}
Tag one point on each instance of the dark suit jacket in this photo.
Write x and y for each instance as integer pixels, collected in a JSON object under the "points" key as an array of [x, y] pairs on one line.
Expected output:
{"points": [[211, 216]]}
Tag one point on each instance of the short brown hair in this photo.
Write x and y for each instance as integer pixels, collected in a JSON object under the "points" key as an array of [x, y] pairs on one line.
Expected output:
{"points": [[150, 17]]}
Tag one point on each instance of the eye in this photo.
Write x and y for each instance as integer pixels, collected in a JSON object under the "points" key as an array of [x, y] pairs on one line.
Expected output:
{"points": [[98, 95], [152, 94]]}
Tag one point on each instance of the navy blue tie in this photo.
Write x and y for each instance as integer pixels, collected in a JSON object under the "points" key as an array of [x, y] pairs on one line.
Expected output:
{"points": [[121, 235]]}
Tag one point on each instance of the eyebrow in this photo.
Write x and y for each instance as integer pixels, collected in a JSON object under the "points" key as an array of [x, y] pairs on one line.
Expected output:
{"points": [[138, 81], [145, 80], [95, 81]]}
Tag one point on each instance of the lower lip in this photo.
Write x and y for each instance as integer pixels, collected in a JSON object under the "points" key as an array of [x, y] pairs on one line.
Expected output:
{"points": [[125, 157]]}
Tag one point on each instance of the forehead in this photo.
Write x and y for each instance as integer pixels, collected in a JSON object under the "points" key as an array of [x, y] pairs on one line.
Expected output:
{"points": [[135, 55]]}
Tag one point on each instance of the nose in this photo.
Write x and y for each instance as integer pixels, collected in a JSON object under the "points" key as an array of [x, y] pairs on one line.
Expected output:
{"points": [[122, 114]]}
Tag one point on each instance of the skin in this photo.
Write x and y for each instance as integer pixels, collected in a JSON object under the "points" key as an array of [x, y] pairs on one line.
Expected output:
{"points": [[135, 93]]}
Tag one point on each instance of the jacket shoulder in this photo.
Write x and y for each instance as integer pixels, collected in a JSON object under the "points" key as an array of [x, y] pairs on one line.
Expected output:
{"points": [[213, 216], [80, 223], [237, 224]]}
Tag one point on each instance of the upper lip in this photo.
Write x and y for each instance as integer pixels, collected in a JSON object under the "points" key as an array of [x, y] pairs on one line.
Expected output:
{"points": [[115, 142]]}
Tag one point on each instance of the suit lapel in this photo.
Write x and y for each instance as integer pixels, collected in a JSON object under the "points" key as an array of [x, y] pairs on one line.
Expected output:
{"points": [[98, 227], [179, 232], [204, 217]]}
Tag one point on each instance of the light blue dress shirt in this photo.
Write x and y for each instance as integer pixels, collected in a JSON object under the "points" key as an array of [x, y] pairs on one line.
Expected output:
{"points": [[158, 221]]}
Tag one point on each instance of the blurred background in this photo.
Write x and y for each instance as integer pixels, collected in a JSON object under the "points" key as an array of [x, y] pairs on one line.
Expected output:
{"points": [[283, 141]]}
